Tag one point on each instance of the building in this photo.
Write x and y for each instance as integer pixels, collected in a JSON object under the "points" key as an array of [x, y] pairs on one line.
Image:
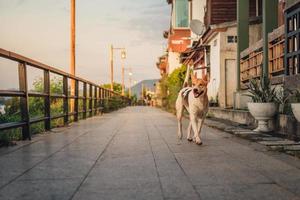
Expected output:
{"points": [[244, 39], [217, 48], [179, 35]]}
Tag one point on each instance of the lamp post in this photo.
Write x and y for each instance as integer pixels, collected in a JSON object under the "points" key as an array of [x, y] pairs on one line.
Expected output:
{"points": [[130, 74], [123, 57], [72, 52]]}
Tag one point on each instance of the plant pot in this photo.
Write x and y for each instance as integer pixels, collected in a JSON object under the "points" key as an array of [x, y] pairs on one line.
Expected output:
{"points": [[296, 110], [262, 112]]}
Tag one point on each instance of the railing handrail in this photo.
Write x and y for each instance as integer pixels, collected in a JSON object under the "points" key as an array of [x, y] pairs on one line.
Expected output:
{"points": [[19, 58], [93, 97]]}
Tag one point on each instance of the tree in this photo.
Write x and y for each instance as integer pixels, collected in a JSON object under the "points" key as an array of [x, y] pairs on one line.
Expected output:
{"points": [[174, 84], [117, 87]]}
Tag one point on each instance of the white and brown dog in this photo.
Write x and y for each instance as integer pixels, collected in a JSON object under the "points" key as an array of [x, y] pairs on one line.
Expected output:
{"points": [[194, 99]]}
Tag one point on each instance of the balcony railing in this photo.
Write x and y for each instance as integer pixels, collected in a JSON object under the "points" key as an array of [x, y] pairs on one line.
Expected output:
{"points": [[276, 52], [91, 95], [252, 57], [292, 40], [251, 62]]}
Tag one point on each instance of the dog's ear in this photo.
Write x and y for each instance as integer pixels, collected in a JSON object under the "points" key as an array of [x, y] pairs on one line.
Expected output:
{"points": [[205, 79], [194, 77]]}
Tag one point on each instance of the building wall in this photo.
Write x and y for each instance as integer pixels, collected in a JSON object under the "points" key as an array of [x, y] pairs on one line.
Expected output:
{"points": [[214, 84], [173, 61], [228, 51], [290, 2], [220, 51], [255, 33], [198, 11]]}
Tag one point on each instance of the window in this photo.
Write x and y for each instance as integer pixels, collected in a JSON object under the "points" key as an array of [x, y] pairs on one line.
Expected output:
{"points": [[231, 39], [181, 13]]}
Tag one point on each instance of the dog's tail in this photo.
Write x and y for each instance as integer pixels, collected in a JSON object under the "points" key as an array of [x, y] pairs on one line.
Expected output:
{"points": [[187, 77]]}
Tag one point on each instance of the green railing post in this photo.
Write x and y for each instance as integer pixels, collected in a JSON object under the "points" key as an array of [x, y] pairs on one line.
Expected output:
{"points": [[66, 100], [84, 100], [47, 100], [270, 13], [91, 100], [24, 101], [76, 109], [243, 35], [95, 100]]}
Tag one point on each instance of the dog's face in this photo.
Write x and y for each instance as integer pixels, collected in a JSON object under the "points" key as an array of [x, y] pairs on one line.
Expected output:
{"points": [[199, 85]]}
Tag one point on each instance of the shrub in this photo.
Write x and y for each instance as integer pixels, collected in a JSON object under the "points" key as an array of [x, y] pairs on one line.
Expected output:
{"points": [[170, 86], [261, 91]]}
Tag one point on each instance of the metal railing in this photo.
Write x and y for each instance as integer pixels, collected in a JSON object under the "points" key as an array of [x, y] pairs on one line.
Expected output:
{"points": [[252, 58], [292, 40], [95, 100]]}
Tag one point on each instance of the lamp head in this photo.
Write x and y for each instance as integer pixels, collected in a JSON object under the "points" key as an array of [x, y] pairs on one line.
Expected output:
{"points": [[123, 54]]}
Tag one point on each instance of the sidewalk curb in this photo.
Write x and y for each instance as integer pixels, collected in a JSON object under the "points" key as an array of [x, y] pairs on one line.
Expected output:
{"points": [[273, 142]]}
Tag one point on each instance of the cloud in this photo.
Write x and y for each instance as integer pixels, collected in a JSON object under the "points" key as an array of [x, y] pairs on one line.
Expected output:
{"points": [[149, 22]]}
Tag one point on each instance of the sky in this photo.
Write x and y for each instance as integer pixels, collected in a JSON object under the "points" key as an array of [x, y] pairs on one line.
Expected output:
{"points": [[40, 29]]}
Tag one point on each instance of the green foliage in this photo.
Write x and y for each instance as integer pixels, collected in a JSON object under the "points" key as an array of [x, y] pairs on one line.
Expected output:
{"points": [[36, 108], [12, 114], [171, 85], [117, 87], [114, 103], [296, 96], [261, 91], [134, 99]]}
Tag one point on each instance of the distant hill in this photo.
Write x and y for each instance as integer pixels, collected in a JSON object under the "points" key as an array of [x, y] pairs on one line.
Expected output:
{"points": [[137, 88]]}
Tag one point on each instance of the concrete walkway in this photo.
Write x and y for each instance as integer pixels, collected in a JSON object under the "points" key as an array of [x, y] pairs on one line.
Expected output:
{"points": [[134, 154]]}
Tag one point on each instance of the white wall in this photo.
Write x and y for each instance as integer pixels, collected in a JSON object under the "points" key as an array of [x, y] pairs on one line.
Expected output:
{"points": [[214, 84], [228, 52], [198, 11], [173, 61]]}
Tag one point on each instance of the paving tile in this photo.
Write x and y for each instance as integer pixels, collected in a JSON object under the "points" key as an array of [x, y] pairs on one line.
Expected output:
{"points": [[279, 143], [253, 192], [134, 153], [41, 189]]}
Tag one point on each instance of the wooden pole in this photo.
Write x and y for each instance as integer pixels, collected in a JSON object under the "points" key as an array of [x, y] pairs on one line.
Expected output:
{"points": [[143, 91], [123, 84], [72, 55], [129, 86], [243, 35], [111, 68]]}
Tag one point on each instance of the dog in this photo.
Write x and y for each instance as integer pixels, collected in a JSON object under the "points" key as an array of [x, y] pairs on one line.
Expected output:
{"points": [[195, 100]]}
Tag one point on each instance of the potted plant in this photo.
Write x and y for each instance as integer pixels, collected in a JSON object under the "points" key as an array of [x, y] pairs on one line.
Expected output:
{"points": [[264, 102], [296, 106], [283, 97]]}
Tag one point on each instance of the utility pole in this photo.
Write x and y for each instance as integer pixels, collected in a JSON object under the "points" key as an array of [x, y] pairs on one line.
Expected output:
{"points": [[129, 86], [72, 55], [143, 91], [111, 68], [123, 57], [123, 84]]}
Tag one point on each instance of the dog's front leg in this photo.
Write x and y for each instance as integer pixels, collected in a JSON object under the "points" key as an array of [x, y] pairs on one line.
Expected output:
{"points": [[200, 124], [194, 123], [189, 132], [179, 122]]}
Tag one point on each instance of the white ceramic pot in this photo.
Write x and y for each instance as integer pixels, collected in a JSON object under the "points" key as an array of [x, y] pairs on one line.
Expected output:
{"points": [[296, 110], [262, 112]]}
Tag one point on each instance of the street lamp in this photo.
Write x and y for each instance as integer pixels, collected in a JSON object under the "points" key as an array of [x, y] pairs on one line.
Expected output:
{"points": [[123, 57], [130, 75]]}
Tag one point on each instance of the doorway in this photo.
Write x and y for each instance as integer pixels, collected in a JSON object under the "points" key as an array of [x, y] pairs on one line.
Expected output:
{"points": [[230, 82]]}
